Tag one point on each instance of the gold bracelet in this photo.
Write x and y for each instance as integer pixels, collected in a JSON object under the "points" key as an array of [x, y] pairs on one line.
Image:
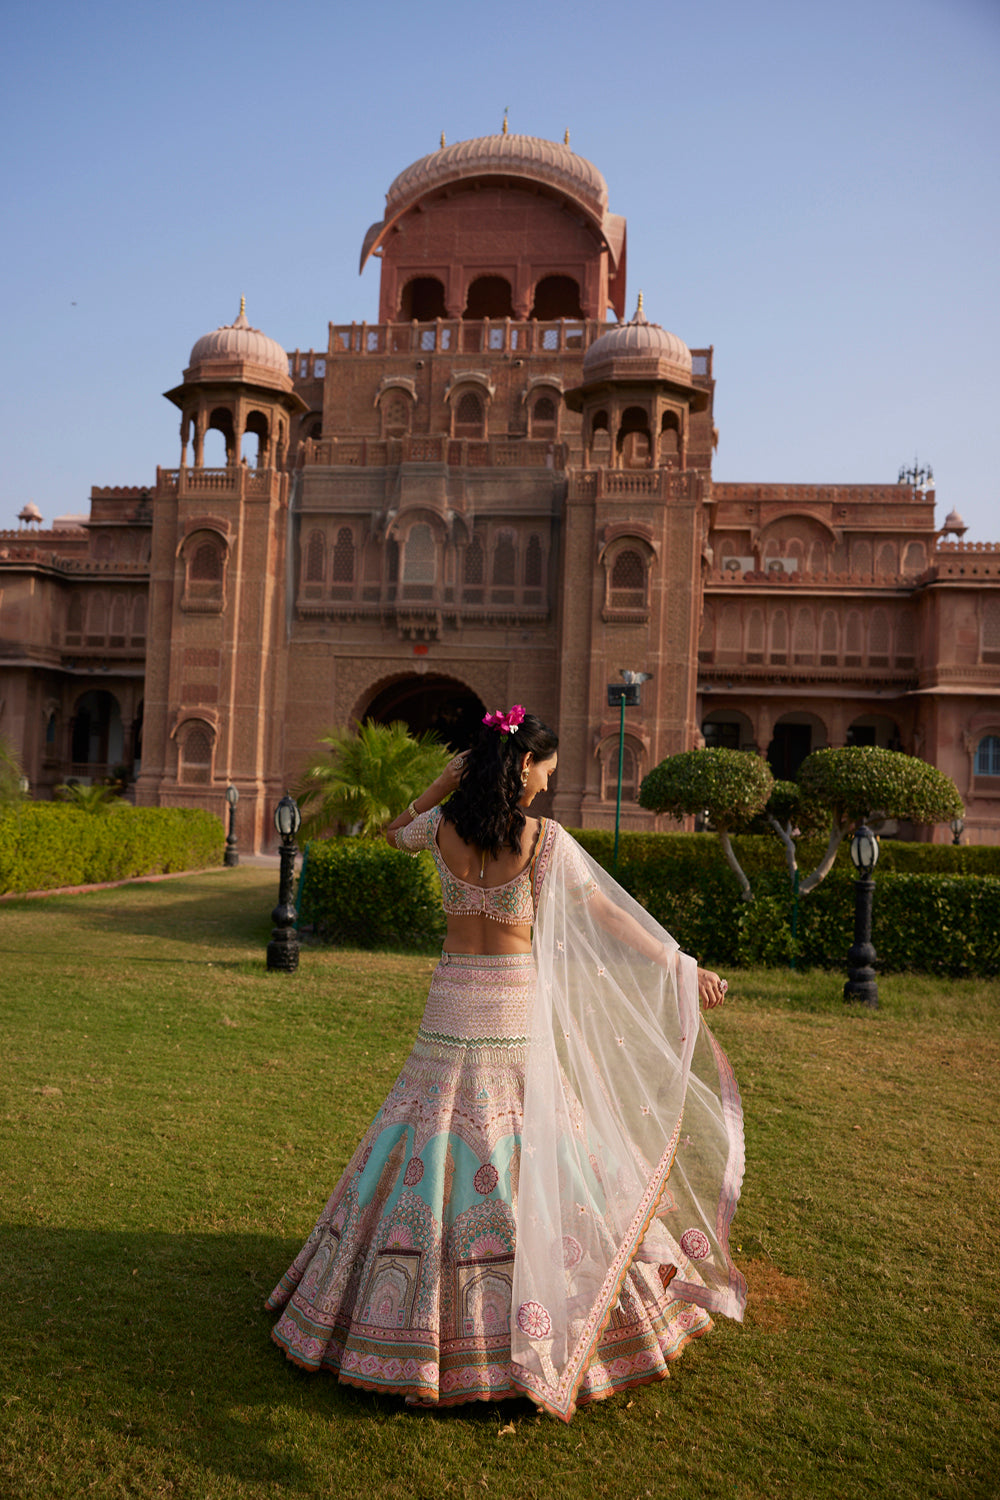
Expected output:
{"points": [[412, 810]]}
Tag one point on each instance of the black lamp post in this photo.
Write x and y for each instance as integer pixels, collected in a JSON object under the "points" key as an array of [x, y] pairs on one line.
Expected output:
{"points": [[283, 949], [625, 695], [957, 829], [232, 854], [861, 985]]}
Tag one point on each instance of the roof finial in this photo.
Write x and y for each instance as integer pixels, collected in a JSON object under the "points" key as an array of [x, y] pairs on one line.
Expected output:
{"points": [[638, 310], [506, 110], [566, 137], [243, 306], [443, 141]]}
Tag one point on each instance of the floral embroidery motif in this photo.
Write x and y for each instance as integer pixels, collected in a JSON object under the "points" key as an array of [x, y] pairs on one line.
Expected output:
{"points": [[414, 1171], [533, 1320], [695, 1244], [486, 1178], [364, 1159], [567, 1252]]}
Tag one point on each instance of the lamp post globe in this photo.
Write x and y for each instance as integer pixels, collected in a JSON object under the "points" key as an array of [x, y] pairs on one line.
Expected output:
{"points": [[232, 854], [283, 949], [861, 984], [957, 829]]}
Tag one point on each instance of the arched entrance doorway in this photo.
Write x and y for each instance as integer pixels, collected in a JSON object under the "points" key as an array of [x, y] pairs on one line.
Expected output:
{"points": [[97, 741], [441, 705]]}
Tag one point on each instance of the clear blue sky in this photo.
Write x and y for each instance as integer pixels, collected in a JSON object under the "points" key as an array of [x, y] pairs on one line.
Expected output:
{"points": [[811, 188]]}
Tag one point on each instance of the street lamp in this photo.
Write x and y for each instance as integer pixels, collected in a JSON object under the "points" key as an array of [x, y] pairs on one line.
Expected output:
{"points": [[957, 829], [231, 856], [283, 949], [860, 984], [626, 695]]}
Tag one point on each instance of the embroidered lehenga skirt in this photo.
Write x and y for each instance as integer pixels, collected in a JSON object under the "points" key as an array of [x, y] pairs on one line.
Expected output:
{"points": [[405, 1283]]}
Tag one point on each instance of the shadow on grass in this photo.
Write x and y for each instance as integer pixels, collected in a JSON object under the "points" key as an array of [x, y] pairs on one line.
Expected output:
{"points": [[161, 1341], [220, 909]]}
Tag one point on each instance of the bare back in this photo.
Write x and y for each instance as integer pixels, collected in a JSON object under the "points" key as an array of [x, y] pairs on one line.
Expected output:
{"points": [[479, 933]]}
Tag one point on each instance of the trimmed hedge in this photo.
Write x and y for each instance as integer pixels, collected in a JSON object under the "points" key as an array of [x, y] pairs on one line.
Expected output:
{"points": [[936, 908], [365, 895], [44, 845]]}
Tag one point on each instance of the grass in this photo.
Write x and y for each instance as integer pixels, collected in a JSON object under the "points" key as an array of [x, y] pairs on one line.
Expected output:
{"points": [[172, 1119]]}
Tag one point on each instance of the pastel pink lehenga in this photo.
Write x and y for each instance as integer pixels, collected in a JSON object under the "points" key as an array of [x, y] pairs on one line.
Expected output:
{"points": [[541, 1207]]}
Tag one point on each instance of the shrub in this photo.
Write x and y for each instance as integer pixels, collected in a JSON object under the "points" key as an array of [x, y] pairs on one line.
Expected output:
{"points": [[936, 909], [44, 845], [366, 895]]}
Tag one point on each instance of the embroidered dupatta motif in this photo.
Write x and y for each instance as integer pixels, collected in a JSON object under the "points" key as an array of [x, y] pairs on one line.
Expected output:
{"points": [[632, 1138]]}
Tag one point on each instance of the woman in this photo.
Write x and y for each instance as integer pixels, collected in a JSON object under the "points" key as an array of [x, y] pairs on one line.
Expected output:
{"points": [[506, 1226]]}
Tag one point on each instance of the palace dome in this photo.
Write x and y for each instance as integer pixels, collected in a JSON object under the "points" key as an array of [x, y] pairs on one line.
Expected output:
{"points": [[238, 342], [502, 156], [638, 348]]}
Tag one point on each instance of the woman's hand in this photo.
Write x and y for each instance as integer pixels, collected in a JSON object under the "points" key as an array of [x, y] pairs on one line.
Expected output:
{"points": [[451, 775], [711, 989]]}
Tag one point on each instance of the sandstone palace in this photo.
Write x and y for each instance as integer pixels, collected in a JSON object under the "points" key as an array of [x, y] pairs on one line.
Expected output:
{"points": [[499, 489]]}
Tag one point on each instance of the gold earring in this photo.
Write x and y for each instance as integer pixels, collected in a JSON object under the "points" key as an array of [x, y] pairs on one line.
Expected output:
{"points": [[524, 778]]}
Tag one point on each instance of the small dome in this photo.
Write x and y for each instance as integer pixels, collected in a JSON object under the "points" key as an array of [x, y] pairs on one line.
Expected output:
{"points": [[238, 341], [641, 343], [953, 522], [29, 514]]}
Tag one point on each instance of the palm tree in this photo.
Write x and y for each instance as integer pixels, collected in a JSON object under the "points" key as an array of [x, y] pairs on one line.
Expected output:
{"points": [[98, 797], [365, 778]]}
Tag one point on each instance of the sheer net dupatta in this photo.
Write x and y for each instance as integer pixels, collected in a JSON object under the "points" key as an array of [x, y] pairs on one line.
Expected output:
{"points": [[625, 1088]]}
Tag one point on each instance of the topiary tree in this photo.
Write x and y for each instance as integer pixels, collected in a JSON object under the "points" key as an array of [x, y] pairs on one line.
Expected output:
{"points": [[862, 782], [365, 777], [732, 786]]}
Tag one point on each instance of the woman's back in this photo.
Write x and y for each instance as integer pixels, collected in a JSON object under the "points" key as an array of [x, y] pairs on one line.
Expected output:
{"points": [[481, 932]]}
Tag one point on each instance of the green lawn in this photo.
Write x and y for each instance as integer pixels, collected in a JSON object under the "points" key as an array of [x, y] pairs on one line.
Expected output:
{"points": [[173, 1119]]}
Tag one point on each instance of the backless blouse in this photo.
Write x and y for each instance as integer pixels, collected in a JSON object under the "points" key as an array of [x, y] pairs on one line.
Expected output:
{"points": [[513, 902]]}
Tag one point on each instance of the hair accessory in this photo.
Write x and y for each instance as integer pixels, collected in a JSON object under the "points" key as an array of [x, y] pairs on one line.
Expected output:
{"points": [[505, 723]]}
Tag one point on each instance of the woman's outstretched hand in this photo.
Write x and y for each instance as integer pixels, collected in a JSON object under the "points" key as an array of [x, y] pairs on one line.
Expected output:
{"points": [[711, 989]]}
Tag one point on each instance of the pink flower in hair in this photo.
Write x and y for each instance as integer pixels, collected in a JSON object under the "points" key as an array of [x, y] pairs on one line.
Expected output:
{"points": [[505, 723]]}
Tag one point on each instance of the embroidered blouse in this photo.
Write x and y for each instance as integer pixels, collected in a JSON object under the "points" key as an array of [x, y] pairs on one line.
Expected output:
{"points": [[513, 902]]}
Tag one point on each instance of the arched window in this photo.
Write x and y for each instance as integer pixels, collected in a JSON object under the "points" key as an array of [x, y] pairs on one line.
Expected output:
{"points": [[779, 638], [543, 418], [139, 620], [817, 558], [469, 415], [195, 761], [670, 439], [878, 639], [474, 574], [755, 636], [915, 558], [706, 637], [316, 558], [805, 637], [418, 558], [828, 640], [489, 297], [630, 763], [627, 583], [253, 446], [991, 630], [504, 561], [422, 300], [852, 639], [220, 422], [600, 440], [533, 563], [206, 563], [96, 620], [905, 638], [116, 622], [343, 556], [988, 756], [556, 297], [396, 409], [633, 440], [74, 620], [888, 559]]}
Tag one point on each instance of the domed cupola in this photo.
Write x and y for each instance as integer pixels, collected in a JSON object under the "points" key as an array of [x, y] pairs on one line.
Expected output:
{"points": [[236, 351], [237, 383], [638, 350]]}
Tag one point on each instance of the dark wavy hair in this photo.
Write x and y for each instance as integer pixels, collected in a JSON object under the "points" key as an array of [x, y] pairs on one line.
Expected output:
{"points": [[484, 808]]}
